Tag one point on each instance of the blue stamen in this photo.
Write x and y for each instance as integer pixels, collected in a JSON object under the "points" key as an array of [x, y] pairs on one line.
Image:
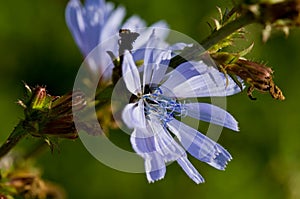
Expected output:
{"points": [[164, 108]]}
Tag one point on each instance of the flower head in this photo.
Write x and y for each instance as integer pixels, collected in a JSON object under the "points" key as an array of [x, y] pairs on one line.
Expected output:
{"points": [[94, 23], [158, 100]]}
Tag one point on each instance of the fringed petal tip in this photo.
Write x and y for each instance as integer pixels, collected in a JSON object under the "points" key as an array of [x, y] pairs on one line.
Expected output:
{"points": [[220, 159], [237, 129], [198, 180], [157, 175], [151, 180]]}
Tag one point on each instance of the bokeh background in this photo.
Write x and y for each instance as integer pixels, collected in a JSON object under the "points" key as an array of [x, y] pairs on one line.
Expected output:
{"points": [[36, 47]]}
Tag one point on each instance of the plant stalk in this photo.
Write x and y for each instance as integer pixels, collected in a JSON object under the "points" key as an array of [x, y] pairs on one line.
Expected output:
{"points": [[18, 133]]}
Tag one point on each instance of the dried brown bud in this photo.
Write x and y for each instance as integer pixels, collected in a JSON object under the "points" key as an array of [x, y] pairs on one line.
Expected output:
{"points": [[259, 76]]}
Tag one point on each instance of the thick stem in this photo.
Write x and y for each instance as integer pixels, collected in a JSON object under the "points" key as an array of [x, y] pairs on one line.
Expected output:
{"points": [[193, 52], [227, 30], [18, 133]]}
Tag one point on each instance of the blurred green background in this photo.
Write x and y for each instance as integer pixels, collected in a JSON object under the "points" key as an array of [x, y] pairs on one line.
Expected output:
{"points": [[36, 46]]}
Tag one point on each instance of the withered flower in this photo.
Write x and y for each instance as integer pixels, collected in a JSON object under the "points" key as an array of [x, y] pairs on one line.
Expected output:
{"points": [[259, 76]]}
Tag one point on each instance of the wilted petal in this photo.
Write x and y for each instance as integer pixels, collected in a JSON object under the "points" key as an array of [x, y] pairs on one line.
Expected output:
{"points": [[190, 170], [133, 115], [212, 114], [200, 146], [131, 74]]}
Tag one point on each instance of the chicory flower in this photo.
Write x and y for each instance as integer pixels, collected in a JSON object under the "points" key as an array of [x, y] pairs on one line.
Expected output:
{"points": [[160, 97]]}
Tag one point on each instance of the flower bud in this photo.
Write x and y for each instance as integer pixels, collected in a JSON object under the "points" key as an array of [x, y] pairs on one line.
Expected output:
{"points": [[49, 116]]}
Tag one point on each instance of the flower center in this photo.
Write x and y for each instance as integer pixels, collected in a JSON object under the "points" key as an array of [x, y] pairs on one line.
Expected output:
{"points": [[161, 106]]}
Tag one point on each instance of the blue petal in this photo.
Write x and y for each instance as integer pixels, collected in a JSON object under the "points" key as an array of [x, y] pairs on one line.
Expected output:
{"points": [[76, 23], [179, 46], [155, 167], [151, 46], [93, 23], [145, 34], [142, 141], [181, 75], [165, 143], [200, 146], [190, 170], [144, 144], [138, 54], [212, 114], [158, 74], [148, 60], [86, 23], [199, 80], [170, 149], [134, 23], [95, 3], [183, 72], [113, 23], [153, 70], [161, 66], [131, 74]]}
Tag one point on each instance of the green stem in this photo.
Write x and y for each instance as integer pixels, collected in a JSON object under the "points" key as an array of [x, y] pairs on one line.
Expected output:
{"points": [[227, 30], [191, 53], [18, 133]]}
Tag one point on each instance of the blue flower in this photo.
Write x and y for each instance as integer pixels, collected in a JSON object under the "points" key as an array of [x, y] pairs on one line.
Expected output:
{"points": [[97, 21], [159, 97]]}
